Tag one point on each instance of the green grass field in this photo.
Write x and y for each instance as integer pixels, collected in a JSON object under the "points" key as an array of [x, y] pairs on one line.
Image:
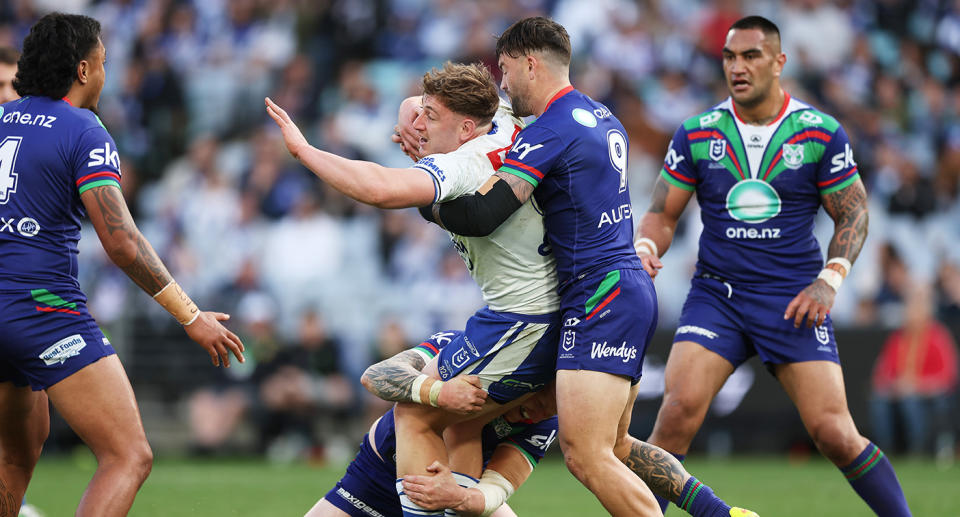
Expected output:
{"points": [[771, 486]]}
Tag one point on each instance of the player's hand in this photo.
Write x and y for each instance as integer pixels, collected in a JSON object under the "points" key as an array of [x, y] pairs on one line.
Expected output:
{"points": [[651, 263], [463, 395], [291, 133], [207, 331], [435, 492], [813, 303], [404, 133]]}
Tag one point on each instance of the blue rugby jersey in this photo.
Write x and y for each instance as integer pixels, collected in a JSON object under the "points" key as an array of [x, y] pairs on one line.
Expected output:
{"points": [[759, 189], [50, 153], [575, 154]]}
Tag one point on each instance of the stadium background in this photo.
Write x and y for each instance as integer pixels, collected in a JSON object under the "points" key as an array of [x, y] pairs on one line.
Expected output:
{"points": [[319, 286]]}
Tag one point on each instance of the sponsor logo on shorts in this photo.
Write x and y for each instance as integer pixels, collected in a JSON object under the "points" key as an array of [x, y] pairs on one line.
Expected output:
{"points": [[823, 337], [571, 322], [542, 442], [64, 349], [358, 504], [602, 350], [569, 340], [693, 329]]}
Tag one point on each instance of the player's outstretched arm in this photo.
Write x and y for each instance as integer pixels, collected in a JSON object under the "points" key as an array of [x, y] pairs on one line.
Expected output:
{"points": [[480, 213], [655, 232], [848, 209], [131, 251], [366, 182], [507, 470], [398, 379]]}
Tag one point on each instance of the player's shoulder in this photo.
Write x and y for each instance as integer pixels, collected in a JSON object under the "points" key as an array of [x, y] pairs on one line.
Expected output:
{"points": [[715, 116], [808, 116]]}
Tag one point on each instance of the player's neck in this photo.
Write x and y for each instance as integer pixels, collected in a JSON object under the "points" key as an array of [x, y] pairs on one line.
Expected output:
{"points": [[77, 96], [548, 93], [765, 112]]}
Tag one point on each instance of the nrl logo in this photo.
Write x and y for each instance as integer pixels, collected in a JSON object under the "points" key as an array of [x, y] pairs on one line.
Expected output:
{"points": [[718, 149], [793, 155]]}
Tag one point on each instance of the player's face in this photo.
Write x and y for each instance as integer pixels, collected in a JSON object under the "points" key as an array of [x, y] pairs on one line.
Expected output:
{"points": [[440, 129], [751, 65], [7, 73], [515, 83], [541, 406], [96, 74]]}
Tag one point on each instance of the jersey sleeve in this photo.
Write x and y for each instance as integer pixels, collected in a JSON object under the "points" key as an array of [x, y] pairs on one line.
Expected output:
{"points": [[96, 161], [432, 345], [534, 440], [534, 153], [837, 169], [455, 174], [678, 167]]}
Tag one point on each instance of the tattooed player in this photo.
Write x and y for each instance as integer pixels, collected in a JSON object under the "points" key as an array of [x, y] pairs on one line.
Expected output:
{"points": [[57, 161], [761, 164]]}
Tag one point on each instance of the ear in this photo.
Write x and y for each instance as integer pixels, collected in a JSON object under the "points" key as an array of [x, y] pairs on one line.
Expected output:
{"points": [[781, 60], [532, 64], [82, 69], [467, 127]]}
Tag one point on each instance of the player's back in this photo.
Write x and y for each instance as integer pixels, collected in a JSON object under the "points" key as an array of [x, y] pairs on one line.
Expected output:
{"points": [[576, 156], [50, 152]]}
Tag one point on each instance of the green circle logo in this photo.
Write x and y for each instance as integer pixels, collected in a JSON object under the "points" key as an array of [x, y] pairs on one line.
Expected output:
{"points": [[584, 117], [753, 201]]}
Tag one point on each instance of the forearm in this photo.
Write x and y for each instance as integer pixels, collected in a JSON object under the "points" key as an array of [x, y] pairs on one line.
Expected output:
{"points": [[368, 182], [658, 228], [394, 379], [848, 208]]}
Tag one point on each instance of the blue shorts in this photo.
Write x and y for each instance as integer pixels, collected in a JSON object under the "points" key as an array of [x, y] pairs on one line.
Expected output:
{"points": [[738, 323], [368, 488], [45, 337], [513, 354], [608, 320]]}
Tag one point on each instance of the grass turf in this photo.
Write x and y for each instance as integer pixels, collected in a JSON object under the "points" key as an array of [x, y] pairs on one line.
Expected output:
{"points": [[772, 486]]}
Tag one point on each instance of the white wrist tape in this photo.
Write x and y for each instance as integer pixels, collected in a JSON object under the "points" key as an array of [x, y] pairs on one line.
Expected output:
{"points": [[435, 392], [648, 243], [495, 489], [832, 277], [844, 263], [415, 389]]}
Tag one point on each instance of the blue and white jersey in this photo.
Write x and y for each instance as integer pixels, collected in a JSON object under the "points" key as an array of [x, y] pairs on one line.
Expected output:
{"points": [[50, 153], [759, 190], [575, 155]]}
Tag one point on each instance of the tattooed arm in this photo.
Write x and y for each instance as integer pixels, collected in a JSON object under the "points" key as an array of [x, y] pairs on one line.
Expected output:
{"points": [[848, 209], [655, 232], [393, 379], [131, 252]]}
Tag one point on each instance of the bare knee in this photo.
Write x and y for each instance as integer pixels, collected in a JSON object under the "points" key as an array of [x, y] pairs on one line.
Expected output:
{"points": [[837, 438], [584, 458], [679, 419], [134, 458]]}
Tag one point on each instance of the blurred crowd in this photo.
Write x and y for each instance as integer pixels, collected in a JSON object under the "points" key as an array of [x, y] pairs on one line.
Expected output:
{"points": [[322, 285]]}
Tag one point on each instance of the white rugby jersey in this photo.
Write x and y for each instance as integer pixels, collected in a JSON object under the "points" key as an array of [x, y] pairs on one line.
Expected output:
{"points": [[513, 266]]}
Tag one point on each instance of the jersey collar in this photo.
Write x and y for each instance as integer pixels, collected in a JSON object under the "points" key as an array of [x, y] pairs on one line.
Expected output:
{"points": [[65, 99], [559, 94], [783, 109]]}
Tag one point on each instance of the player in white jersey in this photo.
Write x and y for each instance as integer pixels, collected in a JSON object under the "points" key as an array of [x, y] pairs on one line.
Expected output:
{"points": [[464, 131]]}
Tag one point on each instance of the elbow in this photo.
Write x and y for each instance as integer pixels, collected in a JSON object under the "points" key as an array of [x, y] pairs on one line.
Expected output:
{"points": [[367, 379]]}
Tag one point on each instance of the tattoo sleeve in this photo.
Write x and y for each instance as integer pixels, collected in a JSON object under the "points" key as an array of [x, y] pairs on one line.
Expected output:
{"points": [[521, 187], [115, 225], [848, 208], [658, 199], [662, 472], [9, 505], [392, 379]]}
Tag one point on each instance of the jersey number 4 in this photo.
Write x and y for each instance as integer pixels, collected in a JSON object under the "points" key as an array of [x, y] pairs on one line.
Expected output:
{"points": [[8, 157]]}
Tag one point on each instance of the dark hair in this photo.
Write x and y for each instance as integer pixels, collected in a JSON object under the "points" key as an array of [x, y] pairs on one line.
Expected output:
{"points": [[51, 52], [9, 55], [465, 89], [766, 26], [536, 34]]}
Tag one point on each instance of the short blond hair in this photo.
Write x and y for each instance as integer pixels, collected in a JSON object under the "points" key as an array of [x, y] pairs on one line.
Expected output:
{"points": [[464, 89]]}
